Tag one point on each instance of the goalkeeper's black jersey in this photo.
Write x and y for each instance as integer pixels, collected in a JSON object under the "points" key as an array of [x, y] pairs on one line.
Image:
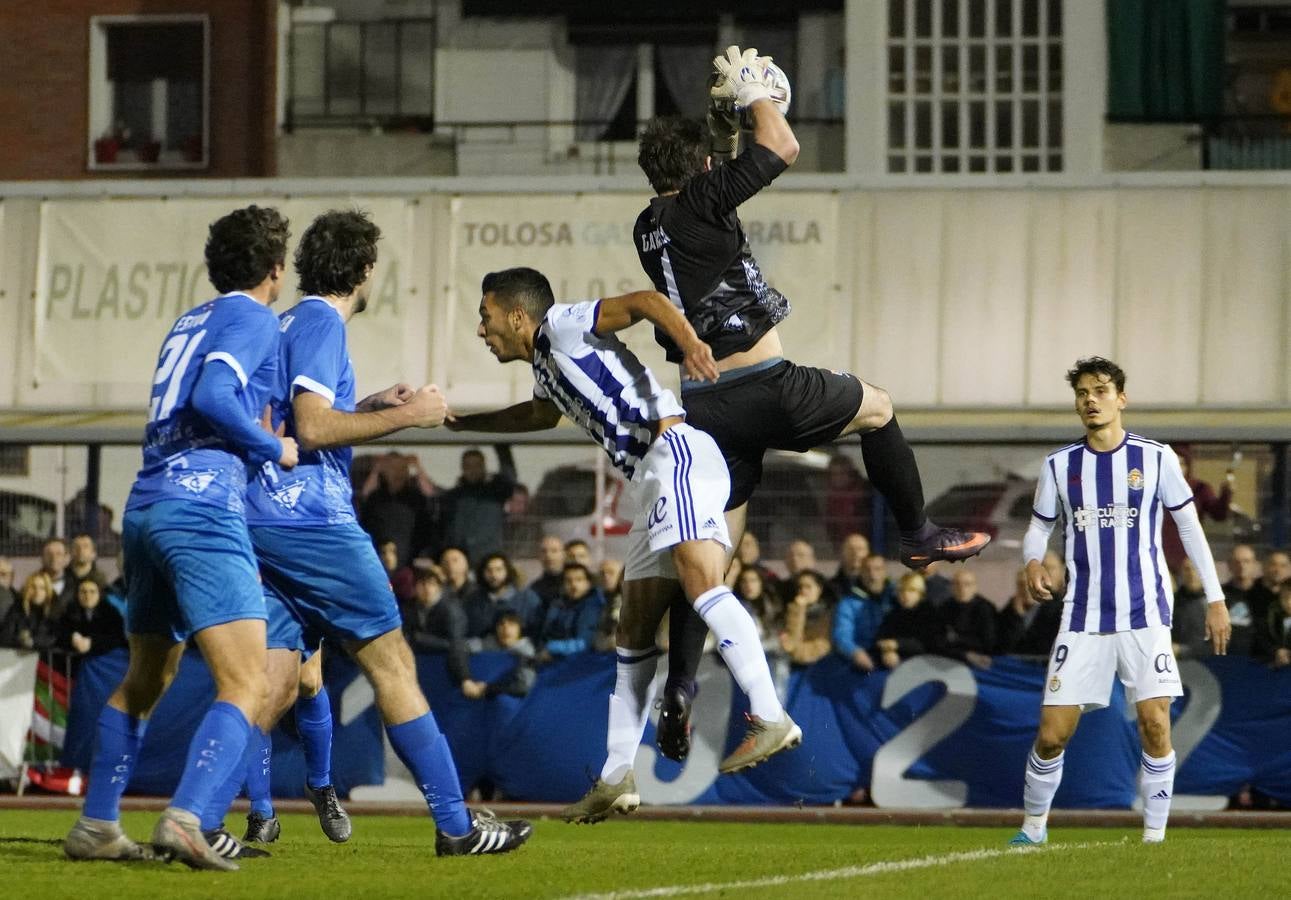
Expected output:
{"points": [[693, 248]]}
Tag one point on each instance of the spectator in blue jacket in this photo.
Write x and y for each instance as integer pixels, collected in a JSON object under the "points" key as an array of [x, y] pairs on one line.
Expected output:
{"points": [[497, 590], [860, 612], [570, 626]]}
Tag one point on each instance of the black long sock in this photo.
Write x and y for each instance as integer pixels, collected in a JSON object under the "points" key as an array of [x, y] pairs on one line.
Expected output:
{"points": [[891, 467], [686, 635]]}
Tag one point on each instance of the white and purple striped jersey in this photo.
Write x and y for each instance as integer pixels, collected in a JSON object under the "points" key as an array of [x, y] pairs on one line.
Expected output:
{"points": [[1113, 503], [599, 384]]}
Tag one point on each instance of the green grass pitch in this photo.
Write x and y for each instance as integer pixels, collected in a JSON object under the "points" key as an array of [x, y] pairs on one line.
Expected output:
{"points": [[394, 857]]}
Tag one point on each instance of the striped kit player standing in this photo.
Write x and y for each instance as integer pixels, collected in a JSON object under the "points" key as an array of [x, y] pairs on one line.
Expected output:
{"points": [[1112, 490], [679, 486]]}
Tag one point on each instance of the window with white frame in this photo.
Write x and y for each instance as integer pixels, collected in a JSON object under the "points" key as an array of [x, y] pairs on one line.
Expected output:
{"points": [[974, 86], [149, 92]]}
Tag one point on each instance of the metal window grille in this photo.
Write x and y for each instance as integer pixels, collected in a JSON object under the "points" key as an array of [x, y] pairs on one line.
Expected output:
{"points": [[974, 86]]}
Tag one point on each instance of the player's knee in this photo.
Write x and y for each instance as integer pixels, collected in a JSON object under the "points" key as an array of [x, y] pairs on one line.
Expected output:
{"points": [[1051, 740], [281, 697], [876, 409], [311, 682]]}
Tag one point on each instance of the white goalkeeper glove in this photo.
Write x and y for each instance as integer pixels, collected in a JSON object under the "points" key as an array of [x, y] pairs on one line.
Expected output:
{"points": [[723, 119], [744, 77]]}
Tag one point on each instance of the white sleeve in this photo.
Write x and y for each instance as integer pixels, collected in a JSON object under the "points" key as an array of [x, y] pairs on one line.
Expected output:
{"points": [[1172, 487], [1194, 544], [1044, 513], [568, 324], [1045, 505]]}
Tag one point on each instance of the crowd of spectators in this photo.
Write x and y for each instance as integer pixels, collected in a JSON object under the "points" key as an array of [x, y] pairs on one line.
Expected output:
{"points": [[66, 607], [461, 594]]}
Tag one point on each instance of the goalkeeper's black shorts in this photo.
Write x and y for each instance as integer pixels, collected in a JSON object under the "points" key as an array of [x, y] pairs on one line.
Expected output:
{"points": [[775, 405]]}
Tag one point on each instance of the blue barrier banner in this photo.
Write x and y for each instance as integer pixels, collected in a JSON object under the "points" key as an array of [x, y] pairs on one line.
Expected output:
{"points": [[934, 733]]}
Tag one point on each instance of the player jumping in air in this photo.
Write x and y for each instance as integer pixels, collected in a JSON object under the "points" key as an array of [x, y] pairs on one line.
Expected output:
{"points": [[693, 248], [189, 566], [680, 485], [1112, 490], [321, 572]]}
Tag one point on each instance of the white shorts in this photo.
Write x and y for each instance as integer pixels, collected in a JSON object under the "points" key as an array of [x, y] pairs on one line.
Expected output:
{"points": [[680, 489], [1082, 665]]}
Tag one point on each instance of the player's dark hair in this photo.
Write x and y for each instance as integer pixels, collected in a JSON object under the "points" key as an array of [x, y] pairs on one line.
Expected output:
{"points": [[243, 247], [576, 542], [336, 252], [513, 577], [472, 451], [1097, 365], [672, 151], [521, 287]]}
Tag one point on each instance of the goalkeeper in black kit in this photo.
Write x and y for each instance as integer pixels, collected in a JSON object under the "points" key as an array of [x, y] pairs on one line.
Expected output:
{"points": [[694, 249]]}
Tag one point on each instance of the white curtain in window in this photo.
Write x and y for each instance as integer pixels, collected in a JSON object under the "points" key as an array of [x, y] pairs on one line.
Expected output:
{"points": [[603, 76], [684, 69]]}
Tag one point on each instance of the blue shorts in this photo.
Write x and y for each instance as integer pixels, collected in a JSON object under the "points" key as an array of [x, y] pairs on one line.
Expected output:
{"points": [[285, 632], [188, 565], [329, 579]]}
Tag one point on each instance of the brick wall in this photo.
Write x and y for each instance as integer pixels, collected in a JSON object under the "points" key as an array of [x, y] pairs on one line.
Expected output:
{"points": [[44, 86]]}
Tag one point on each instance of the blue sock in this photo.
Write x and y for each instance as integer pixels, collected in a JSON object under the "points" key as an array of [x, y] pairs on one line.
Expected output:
{"points": [[116, 749], [259, 768], [216, 751], [314, 722], [218, 808], [422, 748]]}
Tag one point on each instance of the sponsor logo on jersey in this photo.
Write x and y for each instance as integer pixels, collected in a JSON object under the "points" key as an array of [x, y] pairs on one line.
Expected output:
{"points": [[711, 523], [195, 482], [1135, 480], [288, 495], [656, 514], [734, 323], [1110, 516]]}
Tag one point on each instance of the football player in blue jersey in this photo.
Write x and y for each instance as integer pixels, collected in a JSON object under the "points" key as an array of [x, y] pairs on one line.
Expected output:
{"points": [[189, 566], [321, 573]]}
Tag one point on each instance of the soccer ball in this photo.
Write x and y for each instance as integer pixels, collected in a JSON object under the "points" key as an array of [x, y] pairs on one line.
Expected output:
{"points": [[781, 93]]}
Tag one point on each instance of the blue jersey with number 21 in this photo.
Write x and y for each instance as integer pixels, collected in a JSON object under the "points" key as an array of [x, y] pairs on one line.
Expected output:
{"points": [[183, 455]]}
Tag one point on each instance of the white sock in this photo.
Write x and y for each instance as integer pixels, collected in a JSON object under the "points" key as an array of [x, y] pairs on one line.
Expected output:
{"points": [[629, 709], [737, 641], [1156, 787], [1042, 780]]}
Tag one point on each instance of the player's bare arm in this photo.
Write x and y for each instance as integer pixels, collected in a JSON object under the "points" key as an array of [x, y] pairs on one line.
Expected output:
{"points": [[771, 130], [618, 313], [319, 426], [531, 415], [392, 396]]}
